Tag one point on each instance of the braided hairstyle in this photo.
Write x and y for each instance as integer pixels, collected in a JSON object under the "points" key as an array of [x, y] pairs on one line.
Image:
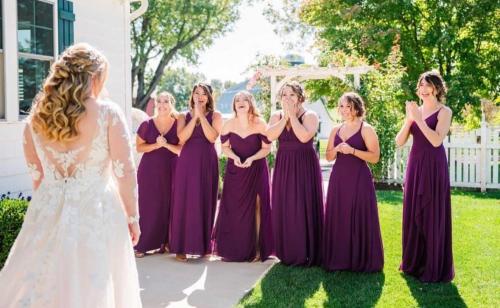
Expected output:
{"points": [[60, 104]]}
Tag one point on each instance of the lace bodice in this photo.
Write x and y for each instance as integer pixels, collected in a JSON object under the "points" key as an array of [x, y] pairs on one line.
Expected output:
{"points": [[86, 168]]}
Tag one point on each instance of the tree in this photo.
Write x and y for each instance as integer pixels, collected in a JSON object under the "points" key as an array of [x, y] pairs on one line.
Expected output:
{"points": [[179, 82], [459, 38], [172, 29]]}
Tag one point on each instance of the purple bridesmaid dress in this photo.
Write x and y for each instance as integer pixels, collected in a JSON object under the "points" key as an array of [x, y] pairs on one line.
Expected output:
{"points": [[297, 201], [427, 251], [351, 238], [195, 195], [235, 229], [154, 176]]}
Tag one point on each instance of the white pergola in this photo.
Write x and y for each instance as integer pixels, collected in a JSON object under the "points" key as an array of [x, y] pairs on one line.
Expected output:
{"points": [[309, 73]]}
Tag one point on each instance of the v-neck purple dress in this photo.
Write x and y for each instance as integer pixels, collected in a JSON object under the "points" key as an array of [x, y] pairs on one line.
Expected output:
{"points": [[155, 176], [297, 201], [427, 250], [195, 195], [235, 230], [352, 239]]}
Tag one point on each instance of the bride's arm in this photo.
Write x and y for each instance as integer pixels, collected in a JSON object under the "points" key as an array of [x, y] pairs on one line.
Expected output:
{"points": [[32, 160], [120, 149]]}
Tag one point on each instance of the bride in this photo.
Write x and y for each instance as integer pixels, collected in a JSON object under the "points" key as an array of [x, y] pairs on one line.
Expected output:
{"points": [[75, 246]]}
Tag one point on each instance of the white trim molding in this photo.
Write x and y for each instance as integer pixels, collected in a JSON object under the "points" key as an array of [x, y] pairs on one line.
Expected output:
{"points": [[141, 10]]}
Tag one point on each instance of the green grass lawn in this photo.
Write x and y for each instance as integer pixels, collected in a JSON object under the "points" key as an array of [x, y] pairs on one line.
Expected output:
{"points": [[476, 248]]}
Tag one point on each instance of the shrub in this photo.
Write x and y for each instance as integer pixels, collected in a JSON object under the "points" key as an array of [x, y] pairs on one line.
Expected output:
{"points": [[11, 219]]}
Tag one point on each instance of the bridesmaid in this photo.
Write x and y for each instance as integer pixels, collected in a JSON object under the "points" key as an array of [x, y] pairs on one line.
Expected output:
{"points": [[196, 177], [243, 229], [351, 239], [297, 197], [427, 250], [157, 139]]}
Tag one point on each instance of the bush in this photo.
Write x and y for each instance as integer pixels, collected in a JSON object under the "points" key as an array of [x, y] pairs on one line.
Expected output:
{"points": [[11, 219]]}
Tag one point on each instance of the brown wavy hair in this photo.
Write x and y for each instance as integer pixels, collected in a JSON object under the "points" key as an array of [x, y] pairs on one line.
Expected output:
{"points": [[208, 91], [253, 111], [60, 104], [437, 82], [355, 100]]}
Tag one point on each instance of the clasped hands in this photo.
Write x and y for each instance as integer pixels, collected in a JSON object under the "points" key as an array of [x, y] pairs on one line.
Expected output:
{"points": [[248, 162]]}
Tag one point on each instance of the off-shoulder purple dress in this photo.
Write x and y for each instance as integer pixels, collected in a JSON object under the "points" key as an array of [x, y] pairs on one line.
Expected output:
{"points": [[235, 236]]}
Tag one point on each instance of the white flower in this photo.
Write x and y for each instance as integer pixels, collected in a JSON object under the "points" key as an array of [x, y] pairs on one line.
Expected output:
{"points": [[118, 168], [35, 174]]}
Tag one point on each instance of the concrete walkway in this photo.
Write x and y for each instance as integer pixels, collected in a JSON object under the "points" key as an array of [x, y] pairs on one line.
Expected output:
{"points": [[166, 282]]}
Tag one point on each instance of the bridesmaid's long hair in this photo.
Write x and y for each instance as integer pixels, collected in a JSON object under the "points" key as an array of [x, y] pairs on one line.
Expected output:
{"points": [[171, 99], [437, 82], [253, 111], [208, 91], [355, 100], [60, 105]]}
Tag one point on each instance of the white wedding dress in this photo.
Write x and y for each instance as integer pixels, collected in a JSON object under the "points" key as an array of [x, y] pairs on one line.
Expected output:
{"points": [[74, 248]]}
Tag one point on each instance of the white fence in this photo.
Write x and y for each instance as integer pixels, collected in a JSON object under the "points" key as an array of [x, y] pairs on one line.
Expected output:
{"points": [[473, 158]]}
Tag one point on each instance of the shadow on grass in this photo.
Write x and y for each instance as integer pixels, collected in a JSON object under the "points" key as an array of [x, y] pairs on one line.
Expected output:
{"points": [[347, 289], [434, 294], [285, 286]]}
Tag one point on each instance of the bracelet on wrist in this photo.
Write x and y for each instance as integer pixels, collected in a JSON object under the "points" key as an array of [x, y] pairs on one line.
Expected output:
{"points": [[133, 219]]}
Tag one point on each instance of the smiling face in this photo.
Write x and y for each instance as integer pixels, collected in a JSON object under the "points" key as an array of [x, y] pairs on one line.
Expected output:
{"points": [[241, 104], [201, 95], [431, 87], [346, 110], [426, 90], [163, 104]]}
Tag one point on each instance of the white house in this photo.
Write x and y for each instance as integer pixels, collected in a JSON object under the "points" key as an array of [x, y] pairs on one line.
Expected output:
{"points": [[32, 34]]}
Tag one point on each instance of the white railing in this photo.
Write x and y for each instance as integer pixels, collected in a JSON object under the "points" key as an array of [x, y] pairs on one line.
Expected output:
{"points": [[473, 158]]}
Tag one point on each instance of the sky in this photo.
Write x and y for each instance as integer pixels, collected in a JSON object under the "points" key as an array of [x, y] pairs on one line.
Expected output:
{"points": [[232, 54]]}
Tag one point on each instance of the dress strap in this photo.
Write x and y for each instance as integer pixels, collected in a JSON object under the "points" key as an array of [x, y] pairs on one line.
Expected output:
{"points": [[224, 138], [264, 139]]}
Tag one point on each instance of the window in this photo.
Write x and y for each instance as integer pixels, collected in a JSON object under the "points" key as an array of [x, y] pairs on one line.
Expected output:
{"points": [[35, 32]]}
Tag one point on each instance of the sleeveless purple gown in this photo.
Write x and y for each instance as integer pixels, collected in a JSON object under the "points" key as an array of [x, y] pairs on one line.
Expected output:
{"points": [[155, 176], [427, 250], [297, 201], [351, 238], [195, 195], [235, 229]]}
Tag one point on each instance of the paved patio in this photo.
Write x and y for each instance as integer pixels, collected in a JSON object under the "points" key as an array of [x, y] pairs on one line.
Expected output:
{"points": [[166, 282]]}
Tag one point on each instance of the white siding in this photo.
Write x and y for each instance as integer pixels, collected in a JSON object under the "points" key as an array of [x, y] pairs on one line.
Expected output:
{"points": [[13, 171], [105, 25], [101, 23]]}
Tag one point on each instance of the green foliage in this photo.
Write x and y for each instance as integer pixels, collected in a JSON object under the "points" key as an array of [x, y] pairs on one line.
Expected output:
{"points": [[11, 219], [179, 82], [172, 30], [383, 95], [458, 38]]}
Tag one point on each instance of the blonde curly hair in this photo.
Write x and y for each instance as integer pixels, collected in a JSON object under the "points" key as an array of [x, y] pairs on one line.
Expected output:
{"points": [[60, 104]]}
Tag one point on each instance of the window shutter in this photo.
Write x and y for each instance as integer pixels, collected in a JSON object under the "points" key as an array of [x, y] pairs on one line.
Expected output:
{"points": [[65, 24]]}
